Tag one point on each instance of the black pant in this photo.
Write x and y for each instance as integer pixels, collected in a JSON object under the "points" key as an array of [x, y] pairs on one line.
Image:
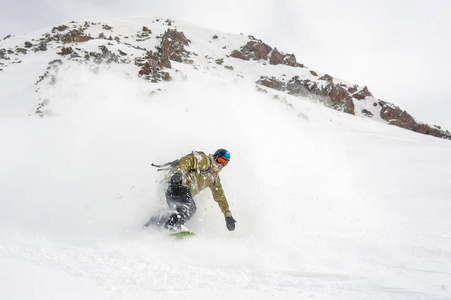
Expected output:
{"points": [[180, 199]]}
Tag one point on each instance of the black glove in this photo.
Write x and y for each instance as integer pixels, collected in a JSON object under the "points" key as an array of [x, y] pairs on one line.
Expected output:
{"points": [[177, 178], [230, 223]]}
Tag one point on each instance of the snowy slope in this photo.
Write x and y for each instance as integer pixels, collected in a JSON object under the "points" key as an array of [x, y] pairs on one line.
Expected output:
{"points": [[328, 205]]}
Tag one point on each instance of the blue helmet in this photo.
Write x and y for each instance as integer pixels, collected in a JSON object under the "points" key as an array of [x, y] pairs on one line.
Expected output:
{"points": [[222, 153]]}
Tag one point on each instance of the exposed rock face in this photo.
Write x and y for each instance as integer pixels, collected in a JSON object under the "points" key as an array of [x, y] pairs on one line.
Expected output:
{"points": [[75, 36], [105, 56], [3, 54], [434, 131], [152, 66], [254, 49], [172, 47], [59, 28], [173, 44], [297, 86], [66, 51], [342, 97], [261, 51], [398, 117], [152, 63], [332, 95], [257, 50], [362, 94], [272, 83], [278, 58], [395, 116], [367, 113], [341, 100]]}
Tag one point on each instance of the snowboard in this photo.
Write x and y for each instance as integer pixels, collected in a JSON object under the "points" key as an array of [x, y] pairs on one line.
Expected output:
{"points": [[183, 234]]}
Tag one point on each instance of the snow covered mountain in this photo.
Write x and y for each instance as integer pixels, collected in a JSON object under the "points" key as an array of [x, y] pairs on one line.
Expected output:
{"points": [[152, 50], [329, 205]]}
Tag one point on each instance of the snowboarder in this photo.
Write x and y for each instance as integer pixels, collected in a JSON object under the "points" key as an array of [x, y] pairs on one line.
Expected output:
{"points": [[190, 175]]}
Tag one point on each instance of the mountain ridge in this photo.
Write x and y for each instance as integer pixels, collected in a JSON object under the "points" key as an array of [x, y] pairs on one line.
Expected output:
{"points": [[152, 45]]}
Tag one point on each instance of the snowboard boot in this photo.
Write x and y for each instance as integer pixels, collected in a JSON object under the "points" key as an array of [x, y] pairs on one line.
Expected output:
{"points": [[174, 223]]}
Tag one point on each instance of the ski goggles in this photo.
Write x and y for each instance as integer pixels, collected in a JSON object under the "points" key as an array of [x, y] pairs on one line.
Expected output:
{"points": [[222, 160]]}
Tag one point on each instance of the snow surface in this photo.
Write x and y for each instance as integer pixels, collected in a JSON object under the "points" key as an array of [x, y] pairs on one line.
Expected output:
{"points": [[328, 205]]}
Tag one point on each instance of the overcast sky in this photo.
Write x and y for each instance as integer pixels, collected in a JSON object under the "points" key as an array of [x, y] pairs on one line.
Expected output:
{"points": [[400, 49]]}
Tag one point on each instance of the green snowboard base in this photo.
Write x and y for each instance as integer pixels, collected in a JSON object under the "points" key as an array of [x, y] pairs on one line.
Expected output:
{"points": [[183, 234]]}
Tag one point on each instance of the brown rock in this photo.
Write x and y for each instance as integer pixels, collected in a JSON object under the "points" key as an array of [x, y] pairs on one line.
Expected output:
{"points": [[239, 54], [261, 51], [348, 106], [327, 77], [75, 36], [336, 93], [362, 94], [66, 51], [395, 116], [276, 57], [256, 50], [271, 82], [291, 61], [352, 89], [59, 28], [173, 44]]}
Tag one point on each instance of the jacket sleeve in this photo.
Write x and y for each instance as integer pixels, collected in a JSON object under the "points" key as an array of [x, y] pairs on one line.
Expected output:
{"points": [[218, 196]]}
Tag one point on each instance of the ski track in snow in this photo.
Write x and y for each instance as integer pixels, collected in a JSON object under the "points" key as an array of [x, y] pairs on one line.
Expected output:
{"points": [[124, 276]]}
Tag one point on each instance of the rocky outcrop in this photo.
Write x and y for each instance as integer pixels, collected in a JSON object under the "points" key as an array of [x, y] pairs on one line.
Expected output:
{"points": [[74, 36], [258, 50], [253, 50], [173, 44], [398, 117], [66, 51], [341, 97], [395, 116], [272, 83], [278, 58], [144, 34], [335, 95], [302, 87], [60, 28], [153, 65], [332, 95], [434, 131], [171, 47], [360, 95], [3, 54], [104, 56]]}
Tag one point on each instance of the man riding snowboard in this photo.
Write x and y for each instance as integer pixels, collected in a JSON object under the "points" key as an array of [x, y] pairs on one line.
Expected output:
{"points": [[194, 173]]}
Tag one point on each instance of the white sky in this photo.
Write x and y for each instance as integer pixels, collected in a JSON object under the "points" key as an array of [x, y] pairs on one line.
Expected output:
{"points": [[398, 48]]}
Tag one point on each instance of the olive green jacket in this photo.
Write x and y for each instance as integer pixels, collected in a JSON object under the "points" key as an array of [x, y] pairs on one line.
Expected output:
{"points": [[199, 172]]}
